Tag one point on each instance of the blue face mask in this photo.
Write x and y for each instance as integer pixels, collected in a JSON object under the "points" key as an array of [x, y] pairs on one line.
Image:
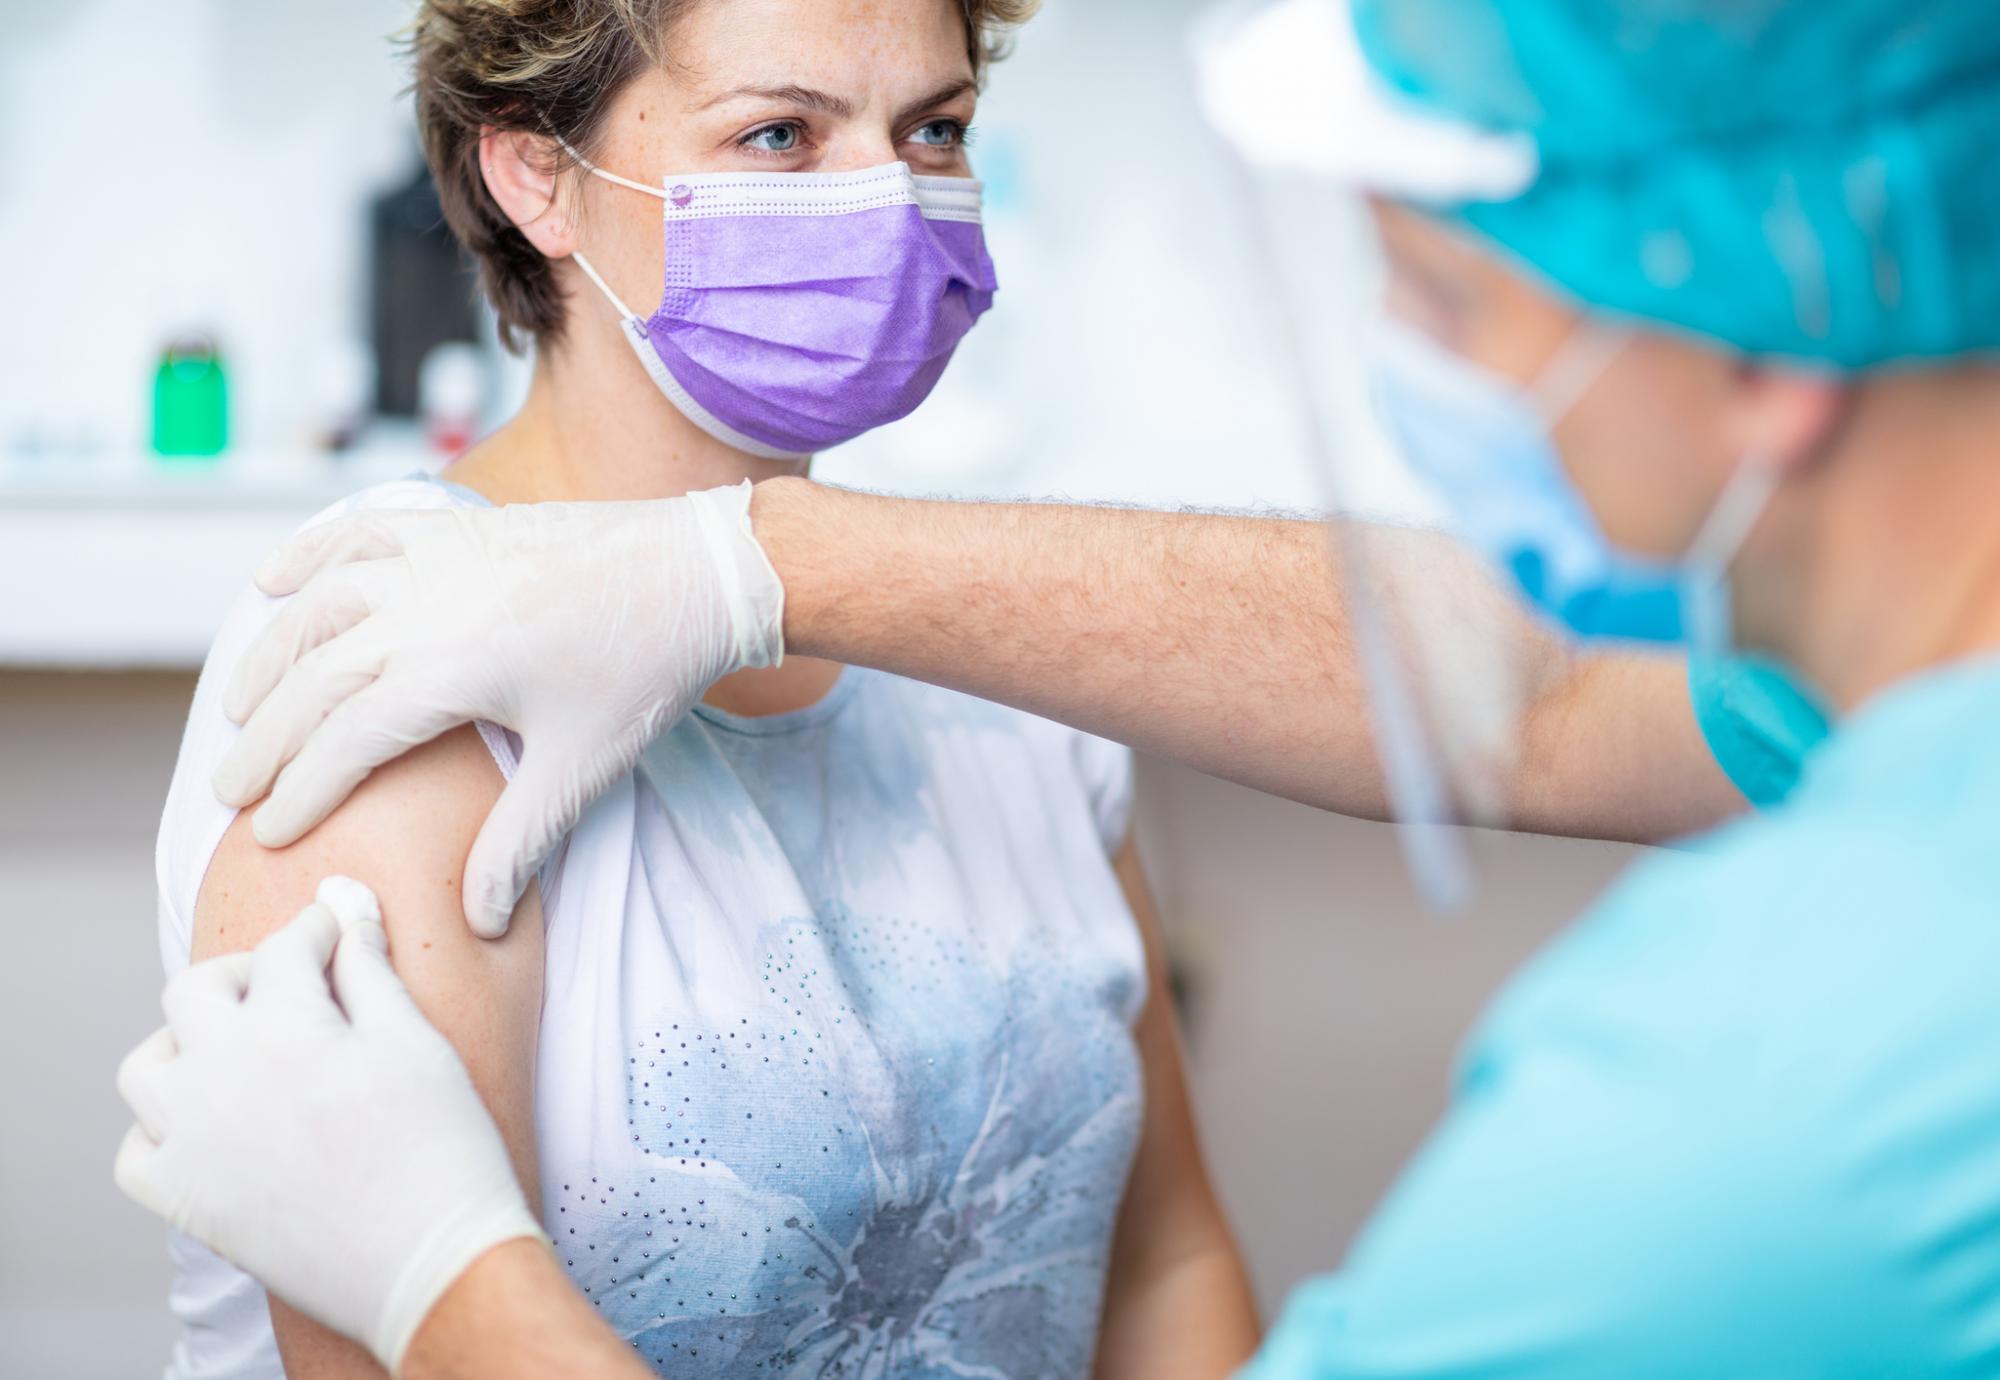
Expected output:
{"points": [[1487, 447]]}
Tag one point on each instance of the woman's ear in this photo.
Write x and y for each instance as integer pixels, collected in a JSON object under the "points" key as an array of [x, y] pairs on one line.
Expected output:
{"points": [[518, 168], [1787, 416]]}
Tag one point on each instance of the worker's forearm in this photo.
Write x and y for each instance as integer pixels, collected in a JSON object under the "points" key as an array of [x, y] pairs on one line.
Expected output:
{"points": [[1221, 642], [515, 1316], [1612, 750], [1216, 641]]}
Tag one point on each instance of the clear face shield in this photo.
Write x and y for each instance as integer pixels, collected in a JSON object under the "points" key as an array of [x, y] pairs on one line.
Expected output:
{"points": [[1452, 656]]}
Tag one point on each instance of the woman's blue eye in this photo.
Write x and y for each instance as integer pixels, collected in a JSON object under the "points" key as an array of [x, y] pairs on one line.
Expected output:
{"points": [[775, 139], [942, 134]]}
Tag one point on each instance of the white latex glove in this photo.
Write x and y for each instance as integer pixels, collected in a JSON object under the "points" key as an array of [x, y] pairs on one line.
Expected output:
{"points": [[337, 1152], [588, 629]]}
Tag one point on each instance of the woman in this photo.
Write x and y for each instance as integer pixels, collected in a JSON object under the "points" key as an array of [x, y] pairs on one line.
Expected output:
{"points": [[829, 1036]]}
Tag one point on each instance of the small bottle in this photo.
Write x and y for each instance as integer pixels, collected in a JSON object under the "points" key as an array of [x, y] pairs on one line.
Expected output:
{"points": [[191, 400], [452, 392]]}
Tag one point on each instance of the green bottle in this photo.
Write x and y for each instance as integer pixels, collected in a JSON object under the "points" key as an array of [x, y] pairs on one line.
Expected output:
{"points": [[191, 401]]}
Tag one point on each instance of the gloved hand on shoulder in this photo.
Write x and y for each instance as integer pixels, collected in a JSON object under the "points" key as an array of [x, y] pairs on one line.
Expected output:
{"points": [[587, 629]]}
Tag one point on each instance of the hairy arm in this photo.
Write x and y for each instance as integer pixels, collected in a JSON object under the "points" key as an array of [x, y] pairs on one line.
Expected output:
{"points": [[1217, 641], [406, 832], [1178, 1304]]}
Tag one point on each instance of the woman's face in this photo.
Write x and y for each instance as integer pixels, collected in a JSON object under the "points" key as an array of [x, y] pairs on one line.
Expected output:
{"points": [[1652, 443], [781, 86]]}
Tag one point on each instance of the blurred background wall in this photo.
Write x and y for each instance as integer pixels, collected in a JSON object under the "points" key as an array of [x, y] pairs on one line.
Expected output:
{"points": [[205, 176]]}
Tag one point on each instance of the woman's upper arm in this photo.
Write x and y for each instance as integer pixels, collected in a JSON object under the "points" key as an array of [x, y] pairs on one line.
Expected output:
{"points": [[406, 833], [1178, 1301], [1169, 1188]]}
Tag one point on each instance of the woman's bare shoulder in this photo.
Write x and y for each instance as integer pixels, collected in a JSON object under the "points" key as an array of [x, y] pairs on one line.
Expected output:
{"points": [[406, 833]]}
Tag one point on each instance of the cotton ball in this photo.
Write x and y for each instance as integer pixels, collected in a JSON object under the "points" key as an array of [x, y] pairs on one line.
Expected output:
{"points": [[352, 903]]}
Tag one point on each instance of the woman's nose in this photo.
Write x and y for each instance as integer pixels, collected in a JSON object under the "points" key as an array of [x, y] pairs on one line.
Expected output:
{"points": [[852, 152]]}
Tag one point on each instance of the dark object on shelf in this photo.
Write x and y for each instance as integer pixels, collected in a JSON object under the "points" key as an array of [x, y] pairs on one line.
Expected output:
{"points": [[424, 291]]}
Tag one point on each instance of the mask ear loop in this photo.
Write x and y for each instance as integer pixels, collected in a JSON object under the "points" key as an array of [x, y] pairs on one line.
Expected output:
{"points": [[625, 313], [1710, 617], [1584, 358], [1737, 512], [658, 193]]}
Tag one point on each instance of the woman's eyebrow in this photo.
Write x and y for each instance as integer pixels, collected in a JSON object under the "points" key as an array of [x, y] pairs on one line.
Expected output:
{"points": [[944, 95], [827, 104], [839, 107]]}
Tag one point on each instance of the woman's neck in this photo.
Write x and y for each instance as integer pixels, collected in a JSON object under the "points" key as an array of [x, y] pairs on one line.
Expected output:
{"points": [[594, 429]]}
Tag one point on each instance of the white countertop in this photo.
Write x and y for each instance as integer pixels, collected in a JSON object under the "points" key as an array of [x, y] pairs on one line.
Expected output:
{"points": [[130, 562]]}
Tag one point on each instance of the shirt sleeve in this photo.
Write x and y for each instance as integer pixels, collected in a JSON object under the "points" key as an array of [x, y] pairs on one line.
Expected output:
{"points": [[1760, 724], [1106, 770]]}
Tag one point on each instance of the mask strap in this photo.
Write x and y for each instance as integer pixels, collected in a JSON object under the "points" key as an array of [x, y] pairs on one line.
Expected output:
{"points": [[1710, 612], [658, 193], [582, 262], [1748, 493], [623, 311], [1583, 359]]}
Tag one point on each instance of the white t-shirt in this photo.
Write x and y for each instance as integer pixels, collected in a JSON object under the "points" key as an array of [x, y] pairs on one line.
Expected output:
{"points": [[836, 1068]]}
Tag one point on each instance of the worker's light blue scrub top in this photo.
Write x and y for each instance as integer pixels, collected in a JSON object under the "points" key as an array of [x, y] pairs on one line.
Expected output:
{"points": [[1743, 1120]]}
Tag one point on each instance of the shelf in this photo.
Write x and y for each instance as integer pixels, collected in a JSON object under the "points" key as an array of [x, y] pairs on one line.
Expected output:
{"points": [[249, 480], [130, 563]]}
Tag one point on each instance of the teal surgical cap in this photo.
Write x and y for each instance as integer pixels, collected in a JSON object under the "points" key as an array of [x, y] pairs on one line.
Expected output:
{"points": [[1816, 180]]}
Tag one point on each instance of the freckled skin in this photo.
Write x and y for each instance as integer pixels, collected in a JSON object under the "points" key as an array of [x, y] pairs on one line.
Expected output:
{"points": [[484, 997]]}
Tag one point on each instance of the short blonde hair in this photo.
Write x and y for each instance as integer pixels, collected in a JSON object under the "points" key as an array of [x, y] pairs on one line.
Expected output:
{"points": [[555, 67]]}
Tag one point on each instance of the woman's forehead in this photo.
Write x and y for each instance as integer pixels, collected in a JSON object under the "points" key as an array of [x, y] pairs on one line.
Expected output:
{"points": [[857, 52]]}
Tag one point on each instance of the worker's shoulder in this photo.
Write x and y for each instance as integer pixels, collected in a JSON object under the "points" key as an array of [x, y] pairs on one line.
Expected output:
{"points": [[1783, 1052], [1793, 970], [1814, 931], [1838, 888]]}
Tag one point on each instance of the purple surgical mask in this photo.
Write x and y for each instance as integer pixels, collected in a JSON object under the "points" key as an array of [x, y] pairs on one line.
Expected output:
{"points": [[804, 309]]}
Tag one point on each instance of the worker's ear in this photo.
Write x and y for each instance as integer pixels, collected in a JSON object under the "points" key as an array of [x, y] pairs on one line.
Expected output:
{"points": [[1787, 416], [524, 176]]}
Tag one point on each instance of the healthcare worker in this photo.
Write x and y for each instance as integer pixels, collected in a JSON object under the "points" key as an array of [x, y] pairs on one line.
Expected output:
{"points": [[1723, 359]]}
